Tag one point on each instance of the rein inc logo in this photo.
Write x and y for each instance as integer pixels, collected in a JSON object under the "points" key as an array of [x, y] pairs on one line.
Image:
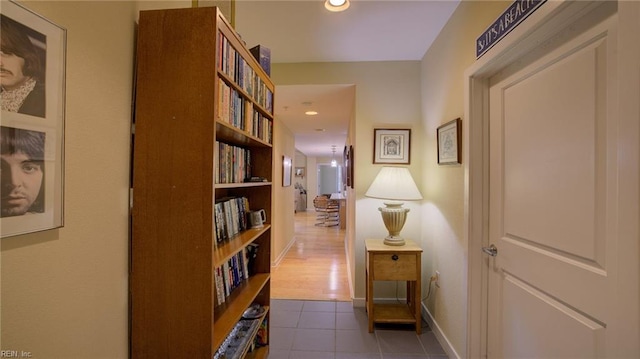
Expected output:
{"points": [[510, 18], [15, 354]]}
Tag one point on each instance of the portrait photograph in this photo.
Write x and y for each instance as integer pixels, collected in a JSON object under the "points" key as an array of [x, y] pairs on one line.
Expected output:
{"points": [[32, 79], [22, 168], [23, 69]]}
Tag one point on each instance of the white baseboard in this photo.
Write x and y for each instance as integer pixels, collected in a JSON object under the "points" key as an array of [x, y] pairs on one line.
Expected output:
{"points": [[283, 253], [352, 290], [442, 339]]}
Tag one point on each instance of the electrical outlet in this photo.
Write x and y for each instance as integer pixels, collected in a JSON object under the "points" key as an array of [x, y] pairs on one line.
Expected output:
{"points": [[438, 279]]}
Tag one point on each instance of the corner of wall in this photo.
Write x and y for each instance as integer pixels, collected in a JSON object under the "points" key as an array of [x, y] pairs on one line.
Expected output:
{"points": [[440, 335]]}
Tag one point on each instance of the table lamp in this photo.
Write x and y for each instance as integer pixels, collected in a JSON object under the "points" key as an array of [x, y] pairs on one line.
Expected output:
{"points": [[395, 184]]}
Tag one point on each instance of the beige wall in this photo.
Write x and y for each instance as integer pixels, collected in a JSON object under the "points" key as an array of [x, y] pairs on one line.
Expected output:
{"points": [[283, 203], [387, 95], [64, 291], [443, 68], [350, 240]]}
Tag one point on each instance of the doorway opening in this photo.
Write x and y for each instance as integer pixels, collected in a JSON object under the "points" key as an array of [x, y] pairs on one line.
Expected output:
{"points": [[315, 266], [329, 179]]}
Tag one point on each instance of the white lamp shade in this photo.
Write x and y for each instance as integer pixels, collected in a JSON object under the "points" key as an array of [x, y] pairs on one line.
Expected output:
{"points": [[394, 183]]}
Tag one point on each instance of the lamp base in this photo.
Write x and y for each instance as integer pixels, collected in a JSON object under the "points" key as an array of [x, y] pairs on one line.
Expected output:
{"points": [[393, 241], [394, 216]]}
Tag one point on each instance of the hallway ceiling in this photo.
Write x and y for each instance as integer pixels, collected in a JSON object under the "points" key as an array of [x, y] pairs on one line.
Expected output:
{"points": [[304, 31]]}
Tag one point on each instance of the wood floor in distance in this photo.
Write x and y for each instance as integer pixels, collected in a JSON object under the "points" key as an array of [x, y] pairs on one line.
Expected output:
{"points": [[315, 267]]}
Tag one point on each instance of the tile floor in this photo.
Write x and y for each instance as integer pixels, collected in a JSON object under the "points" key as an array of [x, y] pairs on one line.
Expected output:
{"points": [[302, 329]]}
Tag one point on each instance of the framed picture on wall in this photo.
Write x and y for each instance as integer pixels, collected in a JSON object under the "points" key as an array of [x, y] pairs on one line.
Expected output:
{"points": [[32, 121], [391, 146], [286, 171], [346, 179], [449, 138], [351, 166]]}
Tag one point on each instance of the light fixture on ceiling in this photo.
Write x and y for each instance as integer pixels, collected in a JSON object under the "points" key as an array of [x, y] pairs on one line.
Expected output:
{"points": [[309, 112], [334, 163], [394, 184], [336, 5]]}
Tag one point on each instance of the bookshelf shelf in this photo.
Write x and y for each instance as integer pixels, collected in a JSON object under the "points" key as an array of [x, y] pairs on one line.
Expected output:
{"points": [[236, 136], [227, 315], [242, 185], [225, 250], [192, 277]]}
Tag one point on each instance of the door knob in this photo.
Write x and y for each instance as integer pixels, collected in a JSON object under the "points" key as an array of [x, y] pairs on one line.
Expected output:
{"points": [[492, 250]]}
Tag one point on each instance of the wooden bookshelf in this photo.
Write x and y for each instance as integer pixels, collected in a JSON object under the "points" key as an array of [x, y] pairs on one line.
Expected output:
{"points": [[175, 311]]}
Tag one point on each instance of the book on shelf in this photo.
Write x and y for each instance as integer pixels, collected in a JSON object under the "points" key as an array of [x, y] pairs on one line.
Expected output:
{"points": [[230, 217], [239, 112], [240, 72], [232, 163], [219, 285], [263, 56], [231, 274]]}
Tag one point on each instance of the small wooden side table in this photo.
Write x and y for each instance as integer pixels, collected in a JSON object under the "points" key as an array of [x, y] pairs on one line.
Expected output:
{"points": [[394, 263]]}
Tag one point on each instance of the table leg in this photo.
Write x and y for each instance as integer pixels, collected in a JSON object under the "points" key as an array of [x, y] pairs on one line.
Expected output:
{"points": [[417, 305], [369, 300]]}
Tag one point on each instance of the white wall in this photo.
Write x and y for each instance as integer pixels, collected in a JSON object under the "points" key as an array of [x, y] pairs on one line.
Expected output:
{"points": [[64, 291]]}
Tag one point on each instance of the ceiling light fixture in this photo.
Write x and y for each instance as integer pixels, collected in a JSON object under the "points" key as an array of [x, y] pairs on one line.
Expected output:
{"points": [[334, 163], [336, 5], [311, 113]]}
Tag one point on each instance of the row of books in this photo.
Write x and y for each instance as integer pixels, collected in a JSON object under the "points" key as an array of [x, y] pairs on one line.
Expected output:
{"points": [[230, 275], [232, 163], [230, 217], [231, 63], [262, 128], [239, 112]]}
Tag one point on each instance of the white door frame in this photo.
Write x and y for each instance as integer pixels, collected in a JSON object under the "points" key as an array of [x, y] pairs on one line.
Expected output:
{"points": [[548, 20]]}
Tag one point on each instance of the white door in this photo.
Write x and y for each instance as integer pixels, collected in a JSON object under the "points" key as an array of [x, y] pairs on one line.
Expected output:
{"points": [[552, 195]]}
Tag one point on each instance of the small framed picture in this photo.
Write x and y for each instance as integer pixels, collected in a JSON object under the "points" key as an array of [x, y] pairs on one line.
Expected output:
{"points": [[346, 179], [392, 146], [449, 139], [352, 158], [299, 171], [286, 171]]}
